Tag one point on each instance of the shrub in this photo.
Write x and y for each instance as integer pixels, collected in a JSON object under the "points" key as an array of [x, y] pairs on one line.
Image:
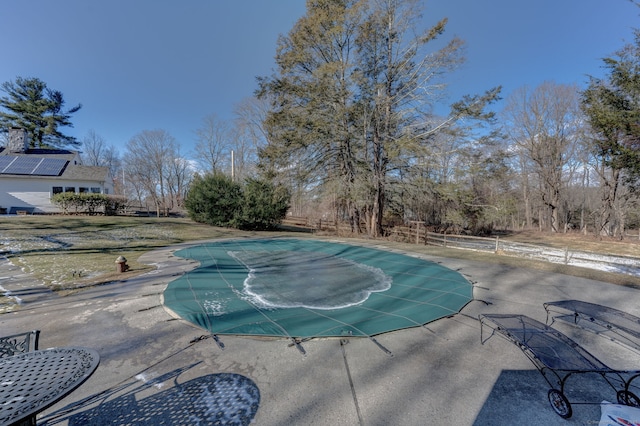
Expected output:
{"points": [[264, 206], [218, 201], [115, 204], [88, 203], [213, 199], [66, 201]]}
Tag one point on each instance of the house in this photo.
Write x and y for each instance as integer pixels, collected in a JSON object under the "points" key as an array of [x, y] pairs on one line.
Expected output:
{"points": [[30, 177]]}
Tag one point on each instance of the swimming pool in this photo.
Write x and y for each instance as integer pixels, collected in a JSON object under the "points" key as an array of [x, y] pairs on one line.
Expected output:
{"points": [[306, 288]]}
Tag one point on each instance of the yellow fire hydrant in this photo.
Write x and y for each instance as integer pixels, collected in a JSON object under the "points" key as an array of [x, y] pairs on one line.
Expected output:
{"points": [[121, 264]]}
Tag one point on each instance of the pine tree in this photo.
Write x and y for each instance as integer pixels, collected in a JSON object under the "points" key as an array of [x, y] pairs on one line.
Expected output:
{"points": [[352, 101], [612, 107], [32, 106]]}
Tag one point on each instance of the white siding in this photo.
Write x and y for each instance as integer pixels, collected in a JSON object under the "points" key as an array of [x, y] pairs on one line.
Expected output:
{"points": [[36, 192]]}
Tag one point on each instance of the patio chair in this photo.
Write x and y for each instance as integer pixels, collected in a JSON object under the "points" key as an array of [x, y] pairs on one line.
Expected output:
{"points": [[558, 358], [19, 343], [618, 326]]}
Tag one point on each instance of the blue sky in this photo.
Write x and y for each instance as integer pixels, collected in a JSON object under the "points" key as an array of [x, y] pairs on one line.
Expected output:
{"points": [[163, 64]]}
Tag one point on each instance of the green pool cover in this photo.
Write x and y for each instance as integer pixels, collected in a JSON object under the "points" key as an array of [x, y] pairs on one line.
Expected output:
{"points": [[300, 288]]}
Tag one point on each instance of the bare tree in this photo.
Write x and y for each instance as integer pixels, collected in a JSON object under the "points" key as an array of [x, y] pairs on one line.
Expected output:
{"points": [[213, 144], [150, 156], [242, 154], [544, 124], [96, 152], [249, 135], [251, 114], [180, 174], [93, 149]]}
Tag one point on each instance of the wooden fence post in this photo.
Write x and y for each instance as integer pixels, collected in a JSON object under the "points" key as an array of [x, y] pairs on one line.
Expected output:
{"points": [[418, 223]]}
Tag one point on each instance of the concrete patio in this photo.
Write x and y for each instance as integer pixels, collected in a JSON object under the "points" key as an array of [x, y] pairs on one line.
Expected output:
{"points": [[152, 364]]}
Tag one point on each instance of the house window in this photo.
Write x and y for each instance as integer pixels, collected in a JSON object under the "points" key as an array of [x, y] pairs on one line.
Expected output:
{"points": [[56, 190], [69, 189], [95, 190], [82, 190], [106, 191]]}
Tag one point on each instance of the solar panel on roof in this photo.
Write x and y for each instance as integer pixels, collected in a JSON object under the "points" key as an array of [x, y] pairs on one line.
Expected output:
{"points": [[23, 165], [50, 167], [5, 160]]}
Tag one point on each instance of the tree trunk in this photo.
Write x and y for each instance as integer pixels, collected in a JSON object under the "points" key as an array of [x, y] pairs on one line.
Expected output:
{"points": [[609, 197]]}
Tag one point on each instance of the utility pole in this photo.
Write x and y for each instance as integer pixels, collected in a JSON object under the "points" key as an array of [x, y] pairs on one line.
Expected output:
{"points": [[232, 167]]}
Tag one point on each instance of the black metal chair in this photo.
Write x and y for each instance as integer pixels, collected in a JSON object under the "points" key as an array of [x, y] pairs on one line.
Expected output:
{"points": [[19, 343], [558, 358]]}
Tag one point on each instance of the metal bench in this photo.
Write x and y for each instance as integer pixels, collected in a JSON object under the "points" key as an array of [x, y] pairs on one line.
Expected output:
{"points": [[616, 325], [19, 343], [557, 357]]}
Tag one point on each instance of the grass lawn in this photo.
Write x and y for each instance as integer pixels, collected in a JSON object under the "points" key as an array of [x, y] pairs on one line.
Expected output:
{"points": [[67, 252], [71, 252]]}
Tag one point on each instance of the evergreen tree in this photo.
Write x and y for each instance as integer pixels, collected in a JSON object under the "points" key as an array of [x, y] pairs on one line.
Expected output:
{"points": [[612, 106], [312, 136], [217, 200], [214, 199], [32, 106], [613, 109], [264, 205], [352, 101]]}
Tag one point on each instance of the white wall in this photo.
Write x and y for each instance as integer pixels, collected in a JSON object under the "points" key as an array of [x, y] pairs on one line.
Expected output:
{"points": [[36, 193]]}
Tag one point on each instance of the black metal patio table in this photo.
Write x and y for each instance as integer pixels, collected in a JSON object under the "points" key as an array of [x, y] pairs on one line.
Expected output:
{"points": [[33, 381]]}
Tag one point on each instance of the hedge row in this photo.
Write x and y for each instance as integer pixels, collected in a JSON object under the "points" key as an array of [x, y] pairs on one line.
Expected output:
{"points": [[89, 203]]}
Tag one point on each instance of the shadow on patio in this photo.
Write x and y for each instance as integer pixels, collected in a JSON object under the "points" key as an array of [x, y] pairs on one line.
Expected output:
{"points": [[224, 398]]}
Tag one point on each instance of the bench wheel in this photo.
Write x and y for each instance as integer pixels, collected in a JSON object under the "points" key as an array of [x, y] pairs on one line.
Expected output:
{"points": [[628, 398], [560, 403]]}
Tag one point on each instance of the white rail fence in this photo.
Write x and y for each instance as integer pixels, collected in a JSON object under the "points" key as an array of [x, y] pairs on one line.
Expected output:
{"points": [[417, 234], [610, 263]]}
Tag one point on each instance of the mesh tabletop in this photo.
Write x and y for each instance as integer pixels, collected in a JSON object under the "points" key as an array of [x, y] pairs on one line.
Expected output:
{"points": [[32, 381]]}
